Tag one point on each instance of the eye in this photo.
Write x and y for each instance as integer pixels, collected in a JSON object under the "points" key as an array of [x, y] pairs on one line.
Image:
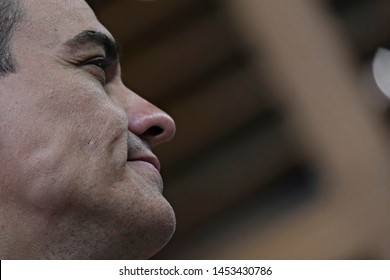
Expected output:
{"points": [[101, 63], [99, 67]]}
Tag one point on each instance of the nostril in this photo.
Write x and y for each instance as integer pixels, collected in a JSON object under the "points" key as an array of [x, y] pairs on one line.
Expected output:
{"points": [[152, 125], [154, 131]]}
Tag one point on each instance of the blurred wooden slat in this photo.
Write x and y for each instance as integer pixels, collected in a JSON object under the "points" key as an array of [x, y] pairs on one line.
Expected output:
{"points": [[313, 69], [165, 66], [129, 18], [207, 116], [229, 173], [368, 24], [310, 232]]}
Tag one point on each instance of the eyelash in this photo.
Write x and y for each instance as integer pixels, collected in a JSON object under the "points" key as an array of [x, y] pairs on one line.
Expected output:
{"points": [[102, 64]]}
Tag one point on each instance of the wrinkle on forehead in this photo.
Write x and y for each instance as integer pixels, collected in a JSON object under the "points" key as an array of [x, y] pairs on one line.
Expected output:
{"points": [[53, 22]]}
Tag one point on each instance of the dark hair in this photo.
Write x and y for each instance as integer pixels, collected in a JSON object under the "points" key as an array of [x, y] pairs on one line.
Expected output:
{"points": [[10, 12]]}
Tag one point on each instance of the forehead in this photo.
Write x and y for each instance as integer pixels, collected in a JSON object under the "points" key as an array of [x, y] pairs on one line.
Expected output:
{"points": [[54, 21]]}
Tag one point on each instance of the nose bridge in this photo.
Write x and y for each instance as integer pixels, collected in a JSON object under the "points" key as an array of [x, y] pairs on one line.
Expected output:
{"points": [[145, 120]]}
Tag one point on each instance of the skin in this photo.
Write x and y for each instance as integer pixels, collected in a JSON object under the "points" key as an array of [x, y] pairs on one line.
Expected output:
{"points": [[74, 182]]}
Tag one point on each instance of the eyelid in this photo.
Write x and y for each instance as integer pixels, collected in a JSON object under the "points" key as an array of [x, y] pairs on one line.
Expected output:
{"points": [[102, 67], [102, 63], [98, 67]]}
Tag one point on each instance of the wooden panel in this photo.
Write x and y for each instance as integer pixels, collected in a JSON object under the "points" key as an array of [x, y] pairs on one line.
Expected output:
{"points": [[229, 172], [311, 232], [206, 116], [368, 24], [312, 68], [127, 19], [165, 66]]}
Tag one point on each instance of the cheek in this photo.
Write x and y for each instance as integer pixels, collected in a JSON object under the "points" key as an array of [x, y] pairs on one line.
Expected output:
{"points": [[61, 143], [34, 172]]}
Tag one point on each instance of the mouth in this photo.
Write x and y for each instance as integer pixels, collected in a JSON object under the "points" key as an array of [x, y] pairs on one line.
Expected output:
{"points": [[138, 151], [146, 157]]}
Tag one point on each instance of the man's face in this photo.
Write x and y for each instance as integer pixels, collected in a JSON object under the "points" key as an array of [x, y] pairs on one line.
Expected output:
{"points": [[77, 176]]}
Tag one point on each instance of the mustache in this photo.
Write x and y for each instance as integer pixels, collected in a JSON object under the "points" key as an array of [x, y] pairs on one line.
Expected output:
{"points": [[135, 145]]}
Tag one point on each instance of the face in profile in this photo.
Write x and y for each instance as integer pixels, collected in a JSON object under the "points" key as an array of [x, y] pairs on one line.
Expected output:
{"points": [[78, 178]]}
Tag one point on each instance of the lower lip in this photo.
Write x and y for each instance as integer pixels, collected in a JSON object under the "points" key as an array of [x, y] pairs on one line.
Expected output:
{"points": [[146, 164], [147, 169]]}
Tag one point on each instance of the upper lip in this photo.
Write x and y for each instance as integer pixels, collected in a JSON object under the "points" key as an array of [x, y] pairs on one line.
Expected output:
{"points": [[147, 157]]}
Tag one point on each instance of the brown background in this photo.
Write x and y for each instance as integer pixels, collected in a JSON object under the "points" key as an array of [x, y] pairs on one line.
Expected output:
{"points": [[282, 143]]}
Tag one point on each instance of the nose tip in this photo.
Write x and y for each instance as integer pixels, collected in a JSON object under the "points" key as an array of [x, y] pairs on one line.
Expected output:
{"points": [[154, 128], [152, 125]]}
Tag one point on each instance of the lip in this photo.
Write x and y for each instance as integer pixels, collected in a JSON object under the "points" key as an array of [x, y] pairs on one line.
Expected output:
{"points": [[149, 158]]}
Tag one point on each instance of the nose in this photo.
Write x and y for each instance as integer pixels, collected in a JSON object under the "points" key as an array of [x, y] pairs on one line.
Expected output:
{"points": [[148, 122]]}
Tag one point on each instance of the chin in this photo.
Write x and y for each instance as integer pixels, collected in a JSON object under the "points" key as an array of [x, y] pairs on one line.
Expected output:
{"points": [[162, 234], [146, 235], [151, 241], [118, 239]]}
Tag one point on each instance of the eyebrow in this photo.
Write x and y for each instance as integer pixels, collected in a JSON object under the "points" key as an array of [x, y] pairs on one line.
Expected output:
{"points": [[110, 46]]}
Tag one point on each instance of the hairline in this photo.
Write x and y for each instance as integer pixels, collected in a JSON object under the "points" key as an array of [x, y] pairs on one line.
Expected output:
{"points": [[10, 16]]}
